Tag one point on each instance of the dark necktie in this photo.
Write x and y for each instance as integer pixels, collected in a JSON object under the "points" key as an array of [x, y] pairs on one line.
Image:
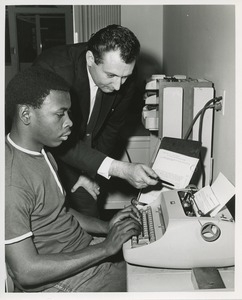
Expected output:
{"points": [[94, 116]]}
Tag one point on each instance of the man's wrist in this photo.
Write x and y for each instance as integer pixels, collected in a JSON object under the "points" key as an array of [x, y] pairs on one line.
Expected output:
{"points": [[117, 168], [105, 226]]}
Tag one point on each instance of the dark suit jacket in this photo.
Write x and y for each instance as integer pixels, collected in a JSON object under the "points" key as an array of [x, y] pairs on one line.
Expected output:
{"points": [[70, 62]]}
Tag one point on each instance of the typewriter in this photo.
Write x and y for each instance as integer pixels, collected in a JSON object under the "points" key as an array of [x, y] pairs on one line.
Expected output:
{"points": [[174, 235]]}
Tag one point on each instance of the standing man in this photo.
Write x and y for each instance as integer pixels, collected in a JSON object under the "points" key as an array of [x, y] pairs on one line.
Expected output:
{"points": [[101, 75], [49, 248]]}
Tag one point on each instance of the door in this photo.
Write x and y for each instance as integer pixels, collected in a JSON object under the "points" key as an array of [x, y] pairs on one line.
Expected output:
{"points": [[32, 29]]}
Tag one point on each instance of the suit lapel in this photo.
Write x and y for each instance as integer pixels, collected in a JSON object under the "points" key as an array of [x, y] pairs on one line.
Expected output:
{"points": [[83, 89]]}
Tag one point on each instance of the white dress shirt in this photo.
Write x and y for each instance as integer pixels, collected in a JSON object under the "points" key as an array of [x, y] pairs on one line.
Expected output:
{"points": [[93, 92], [103, 170]]}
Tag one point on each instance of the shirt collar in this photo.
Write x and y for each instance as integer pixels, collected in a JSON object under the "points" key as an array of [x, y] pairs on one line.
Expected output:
{"points": [[21, 148], [91, 82]]}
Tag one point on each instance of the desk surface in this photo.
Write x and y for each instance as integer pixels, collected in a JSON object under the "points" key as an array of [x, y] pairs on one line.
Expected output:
{"points": [[144, 279]]}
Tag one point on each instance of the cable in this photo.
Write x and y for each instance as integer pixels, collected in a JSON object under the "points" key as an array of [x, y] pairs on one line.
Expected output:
{"points": [[206, 106], [193, 122], [201, 113], [216, 99]]}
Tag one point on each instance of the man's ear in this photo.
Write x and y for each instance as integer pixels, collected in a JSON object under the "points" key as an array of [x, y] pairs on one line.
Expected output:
{"points": [[24, 114], [90, 58]]}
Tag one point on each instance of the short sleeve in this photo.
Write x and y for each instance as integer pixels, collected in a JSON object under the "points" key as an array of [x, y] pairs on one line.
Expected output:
{"points": [[18, 207]]}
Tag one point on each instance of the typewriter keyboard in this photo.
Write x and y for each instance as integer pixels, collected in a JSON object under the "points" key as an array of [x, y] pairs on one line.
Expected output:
{"points": [[147, 235]]}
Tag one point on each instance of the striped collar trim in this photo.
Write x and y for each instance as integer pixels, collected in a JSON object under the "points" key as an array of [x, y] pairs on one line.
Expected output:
{"points": [[21, 148]]}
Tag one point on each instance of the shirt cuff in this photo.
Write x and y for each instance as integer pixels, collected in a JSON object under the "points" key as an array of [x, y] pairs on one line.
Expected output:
{"points": [[103, 170]]}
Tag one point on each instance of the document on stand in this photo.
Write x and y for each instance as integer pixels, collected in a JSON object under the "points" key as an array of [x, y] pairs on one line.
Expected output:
{"points": [[175, 168], [172, 167]]}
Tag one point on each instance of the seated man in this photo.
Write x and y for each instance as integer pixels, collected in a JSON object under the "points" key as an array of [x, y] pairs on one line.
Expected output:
{"points": [[49, 248]]}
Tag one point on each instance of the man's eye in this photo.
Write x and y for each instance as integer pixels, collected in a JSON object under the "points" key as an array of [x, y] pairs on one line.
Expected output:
{"points": [[60, 115]]}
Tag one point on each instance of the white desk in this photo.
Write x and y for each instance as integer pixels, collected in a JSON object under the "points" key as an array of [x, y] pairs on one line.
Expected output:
{"points": [[144, 279]]}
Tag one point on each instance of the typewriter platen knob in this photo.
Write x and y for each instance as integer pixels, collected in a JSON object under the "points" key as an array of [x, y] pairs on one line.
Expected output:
{"points": [[210, 232]]}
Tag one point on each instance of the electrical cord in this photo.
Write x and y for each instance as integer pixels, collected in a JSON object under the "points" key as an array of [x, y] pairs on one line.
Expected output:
{"points": [[201, 111], [193, 122], [206, 106], [214, 100], [201, 114]]}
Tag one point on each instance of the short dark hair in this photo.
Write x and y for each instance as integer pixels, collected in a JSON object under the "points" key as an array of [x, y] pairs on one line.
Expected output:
{"points": [[111, 38], [31, 86]]}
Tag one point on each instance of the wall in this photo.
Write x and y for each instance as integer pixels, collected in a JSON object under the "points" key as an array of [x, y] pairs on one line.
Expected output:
{"points": [[201, 44], [146, 22]]}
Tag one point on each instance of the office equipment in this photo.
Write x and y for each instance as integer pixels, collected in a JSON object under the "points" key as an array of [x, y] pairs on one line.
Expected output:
{"points": [[171, 103], [175, 237]]}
